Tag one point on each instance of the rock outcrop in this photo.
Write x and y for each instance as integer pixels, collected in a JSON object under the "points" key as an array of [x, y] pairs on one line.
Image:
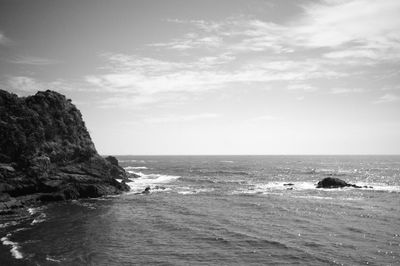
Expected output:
{"points": [[46, 152], [333, 182]]}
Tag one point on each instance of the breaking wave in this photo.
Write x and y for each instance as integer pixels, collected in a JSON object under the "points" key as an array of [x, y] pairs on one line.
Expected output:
{"points": [[150, 180], [15, 247]]}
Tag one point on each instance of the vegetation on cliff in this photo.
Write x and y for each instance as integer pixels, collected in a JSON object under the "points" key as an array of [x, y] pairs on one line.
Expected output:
{"points": [[46, 150]]}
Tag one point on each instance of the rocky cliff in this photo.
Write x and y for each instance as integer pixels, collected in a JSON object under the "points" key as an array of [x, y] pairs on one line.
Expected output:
{"points": [[46, 150]]}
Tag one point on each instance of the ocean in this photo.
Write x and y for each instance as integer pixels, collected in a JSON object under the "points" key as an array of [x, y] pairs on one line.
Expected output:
{"points": [[222, 210]]}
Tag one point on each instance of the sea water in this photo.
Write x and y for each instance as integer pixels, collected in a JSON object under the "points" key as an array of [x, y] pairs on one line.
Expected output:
{"points": [[222, 210]]}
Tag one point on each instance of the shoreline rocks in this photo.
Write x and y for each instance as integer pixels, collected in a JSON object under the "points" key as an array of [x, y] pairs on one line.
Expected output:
{"points": [[46, 153]]}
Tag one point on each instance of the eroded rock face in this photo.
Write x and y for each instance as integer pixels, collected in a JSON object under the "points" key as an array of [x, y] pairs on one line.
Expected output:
{"points": [[45, 149]]}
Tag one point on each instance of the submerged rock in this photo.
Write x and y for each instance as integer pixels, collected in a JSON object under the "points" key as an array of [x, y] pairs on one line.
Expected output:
{"points": [[333, 182], [45, 149], [146, 190]]}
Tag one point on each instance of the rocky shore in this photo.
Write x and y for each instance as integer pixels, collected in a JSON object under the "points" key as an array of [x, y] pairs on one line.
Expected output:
{"points": [[46, 153]]}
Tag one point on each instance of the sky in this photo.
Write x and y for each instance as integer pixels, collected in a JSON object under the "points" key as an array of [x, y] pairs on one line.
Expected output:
{"points": [[185, 77]]}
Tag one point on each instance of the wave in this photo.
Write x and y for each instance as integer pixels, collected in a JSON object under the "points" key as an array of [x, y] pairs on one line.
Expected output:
{"points": [[265, 188], [150, 180], [41, 218], [54, 259], [220, 172], [135, 168], [135, 173], [297, 185], [192, 191], [379, 187], [199, 180], [132, 161], [7, 224], [227, 161], [15, 247], [312, 197]]}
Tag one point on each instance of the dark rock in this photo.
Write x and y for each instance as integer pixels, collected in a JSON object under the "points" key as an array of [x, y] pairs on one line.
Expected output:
{"points": [[51, 197], [46, 150], [333, 182], [288, 184], [132, 175], [112, 160], [146, 190]]}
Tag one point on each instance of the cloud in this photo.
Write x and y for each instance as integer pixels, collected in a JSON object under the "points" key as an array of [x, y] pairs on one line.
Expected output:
{"points": [[333, 23], [25, 84], [391, 88], [302, 86], [145, 76], [355, 28], [191, 41], [4, 40], [329, 40], [33, 60], [387, 98], [355, 54], [29, 85], [346, 90]]}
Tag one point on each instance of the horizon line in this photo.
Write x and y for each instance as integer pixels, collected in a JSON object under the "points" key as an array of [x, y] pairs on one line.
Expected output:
{"points": [[378, 154]]}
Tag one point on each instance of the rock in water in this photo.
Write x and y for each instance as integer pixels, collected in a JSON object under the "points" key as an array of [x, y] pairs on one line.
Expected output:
{"points": [[46, 151], [333, 182]]}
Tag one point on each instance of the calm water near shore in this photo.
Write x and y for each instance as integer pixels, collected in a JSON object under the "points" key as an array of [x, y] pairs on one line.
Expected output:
{"points": [[222, 210]]}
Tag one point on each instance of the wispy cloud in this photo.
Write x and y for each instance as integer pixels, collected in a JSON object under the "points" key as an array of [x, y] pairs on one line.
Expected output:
{"points": [[191, 41], [330, 40], [356, 28], [387, 98], [33, 60], [29, 85], [346, 90], [143, 75], [302, 86], [26, 84], [4, 40]]}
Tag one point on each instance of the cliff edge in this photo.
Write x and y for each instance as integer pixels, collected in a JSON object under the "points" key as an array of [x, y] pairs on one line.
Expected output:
{"points": [[46, 152]]}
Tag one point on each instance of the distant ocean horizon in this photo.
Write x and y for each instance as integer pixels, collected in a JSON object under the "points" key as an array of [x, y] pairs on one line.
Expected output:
{"points": [[222, 210], [277, 155]]}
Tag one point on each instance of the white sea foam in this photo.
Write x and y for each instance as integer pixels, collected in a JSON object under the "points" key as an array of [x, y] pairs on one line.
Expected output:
{"points": [[195, 191], [32, 211], [151, 180], [266, 188], [15, 252], [312, 197], [378, 187], [135, 173], [227, 161], [281, 186], [41, 218], [135, 168], [127, 161], [53, 259], [7, 224]]}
